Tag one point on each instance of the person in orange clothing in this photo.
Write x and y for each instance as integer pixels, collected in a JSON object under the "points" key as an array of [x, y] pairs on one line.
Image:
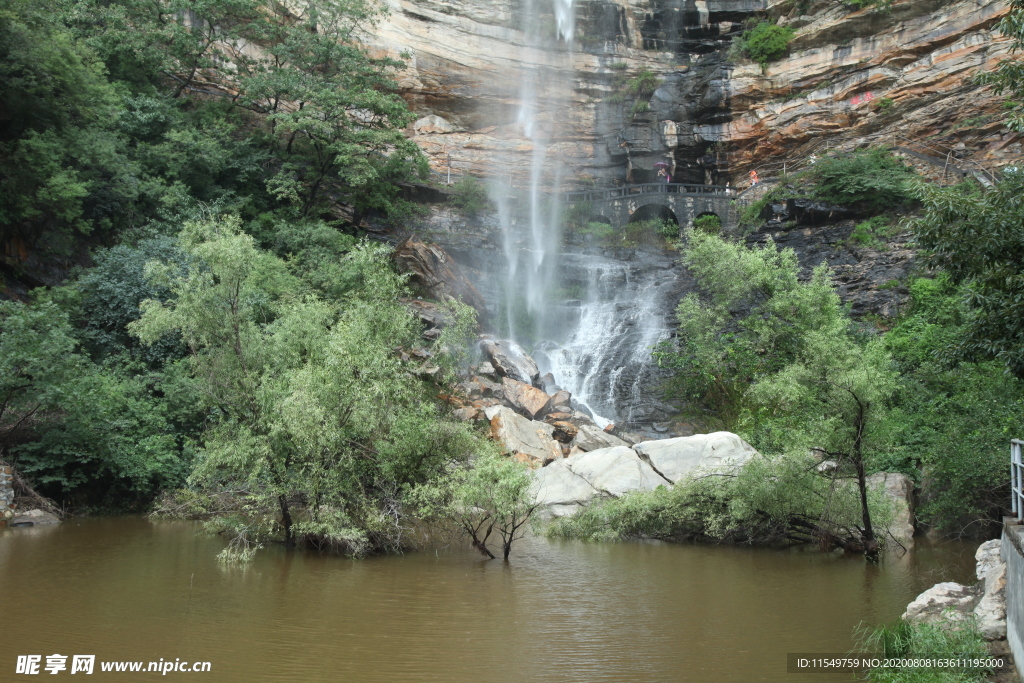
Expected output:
{"points": [[753, 178]]}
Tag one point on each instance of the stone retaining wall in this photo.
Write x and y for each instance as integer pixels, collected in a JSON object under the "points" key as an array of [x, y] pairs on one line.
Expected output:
{"points": [[1012, 550]]}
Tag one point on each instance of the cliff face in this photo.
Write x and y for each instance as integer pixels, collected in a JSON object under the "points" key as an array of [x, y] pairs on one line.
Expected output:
{"points": [[850, 78]]}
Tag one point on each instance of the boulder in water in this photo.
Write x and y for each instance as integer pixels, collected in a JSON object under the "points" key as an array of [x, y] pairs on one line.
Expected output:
{"points": [[523, 398], [524, 439], [677, 458], [511, 360], [899, 489]]}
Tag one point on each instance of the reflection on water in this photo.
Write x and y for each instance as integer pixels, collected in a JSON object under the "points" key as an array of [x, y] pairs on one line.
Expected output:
{"points": [[127, 588]]}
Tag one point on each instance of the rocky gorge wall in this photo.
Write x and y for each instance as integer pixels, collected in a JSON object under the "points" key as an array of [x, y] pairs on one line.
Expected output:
{"points": [[851, 77]]}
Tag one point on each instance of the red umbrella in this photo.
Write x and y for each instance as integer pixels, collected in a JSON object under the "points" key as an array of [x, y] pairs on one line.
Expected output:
{"points": [[663, 164]]}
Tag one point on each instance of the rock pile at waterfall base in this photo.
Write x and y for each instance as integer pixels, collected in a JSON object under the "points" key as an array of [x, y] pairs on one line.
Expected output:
{"points": [[530, 423]]}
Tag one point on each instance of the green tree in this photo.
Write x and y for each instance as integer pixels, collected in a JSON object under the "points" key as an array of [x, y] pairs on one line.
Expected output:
{"points": [[1009, 74], [36, 357], [831, 398], [751, 318], [870, 180], [488, 495], [315, 417], [767, 42], [975, 237], [333, 110]]}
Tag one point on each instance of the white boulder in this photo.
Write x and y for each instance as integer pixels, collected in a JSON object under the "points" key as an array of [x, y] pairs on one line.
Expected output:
{"points": [[566, 485], [675, 459]]}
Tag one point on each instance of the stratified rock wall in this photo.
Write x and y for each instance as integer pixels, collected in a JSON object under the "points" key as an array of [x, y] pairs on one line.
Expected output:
{"points": [[851, 77]]}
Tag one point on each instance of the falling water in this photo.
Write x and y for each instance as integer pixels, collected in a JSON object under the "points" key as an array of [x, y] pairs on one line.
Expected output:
{"points": [[531, 229], [596, 339]]}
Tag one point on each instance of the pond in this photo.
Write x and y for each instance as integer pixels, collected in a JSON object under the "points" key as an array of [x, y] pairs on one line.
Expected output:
{"points": [[127, 588]]}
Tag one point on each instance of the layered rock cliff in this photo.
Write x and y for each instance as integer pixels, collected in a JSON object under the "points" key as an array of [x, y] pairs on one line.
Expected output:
{"points": [[851, 77]]}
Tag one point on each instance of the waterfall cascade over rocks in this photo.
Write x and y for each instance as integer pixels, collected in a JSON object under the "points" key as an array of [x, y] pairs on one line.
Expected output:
{"points": [[588, 317]]}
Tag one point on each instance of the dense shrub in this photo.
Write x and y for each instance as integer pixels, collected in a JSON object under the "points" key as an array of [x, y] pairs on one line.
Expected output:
{"points": [[870, 180], [710, 224], [470, 195], [767, 42], [777, 499]]}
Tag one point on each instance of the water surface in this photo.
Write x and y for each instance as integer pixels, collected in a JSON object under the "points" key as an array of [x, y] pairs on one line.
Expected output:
{"points": [[126, 588]]}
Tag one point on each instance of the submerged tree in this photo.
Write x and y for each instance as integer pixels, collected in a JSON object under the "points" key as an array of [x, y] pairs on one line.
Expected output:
{"points": [[316, 423], [831, 397], [489, 495]]}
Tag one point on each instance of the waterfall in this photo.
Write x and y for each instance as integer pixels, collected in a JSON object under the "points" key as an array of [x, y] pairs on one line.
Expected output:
{"points": [[590, 320], [531, 224]]}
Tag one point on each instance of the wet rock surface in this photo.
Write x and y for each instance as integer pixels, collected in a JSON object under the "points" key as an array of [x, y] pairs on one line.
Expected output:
{"points": [[435, 273], [510, 360]]}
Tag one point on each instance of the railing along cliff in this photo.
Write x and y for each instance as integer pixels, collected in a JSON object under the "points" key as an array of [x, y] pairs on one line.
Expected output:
{"points": [[612, 193]]}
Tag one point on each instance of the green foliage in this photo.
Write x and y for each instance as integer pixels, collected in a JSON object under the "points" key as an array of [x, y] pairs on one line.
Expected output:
{"points": [[309, 400], [643, 84], [949, 424], [640, 88], [109, 294], [90, 425], [871, 180], [945, 639], [717, 355], [710, 224], [974, 235], [1009, 74], [884, 104], [651, 233], [873, 232], [759, 504], [884, 5], [766, 42], [489, 495], [640, 107], [470, 195]]}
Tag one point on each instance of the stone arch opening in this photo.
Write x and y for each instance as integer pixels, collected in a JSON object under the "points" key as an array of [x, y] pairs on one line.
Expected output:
{"points": [[708, 221], [653, 212]]}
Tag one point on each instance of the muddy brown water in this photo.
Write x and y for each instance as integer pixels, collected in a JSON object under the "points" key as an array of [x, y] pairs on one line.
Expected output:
{"points": [[126, 588]]}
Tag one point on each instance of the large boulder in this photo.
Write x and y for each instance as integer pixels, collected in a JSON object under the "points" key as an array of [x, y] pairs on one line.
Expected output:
{"points": [[675, 459], [523, 439], [524, 398], [435, 274], [590, 437], [942, 602], [566, 485], [991, 609], [899, 489], [511, 360], [559, 402]]}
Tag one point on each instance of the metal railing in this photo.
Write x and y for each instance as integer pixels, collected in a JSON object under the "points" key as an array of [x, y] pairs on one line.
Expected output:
{"points": [[1017, 479], [608, 194]]}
